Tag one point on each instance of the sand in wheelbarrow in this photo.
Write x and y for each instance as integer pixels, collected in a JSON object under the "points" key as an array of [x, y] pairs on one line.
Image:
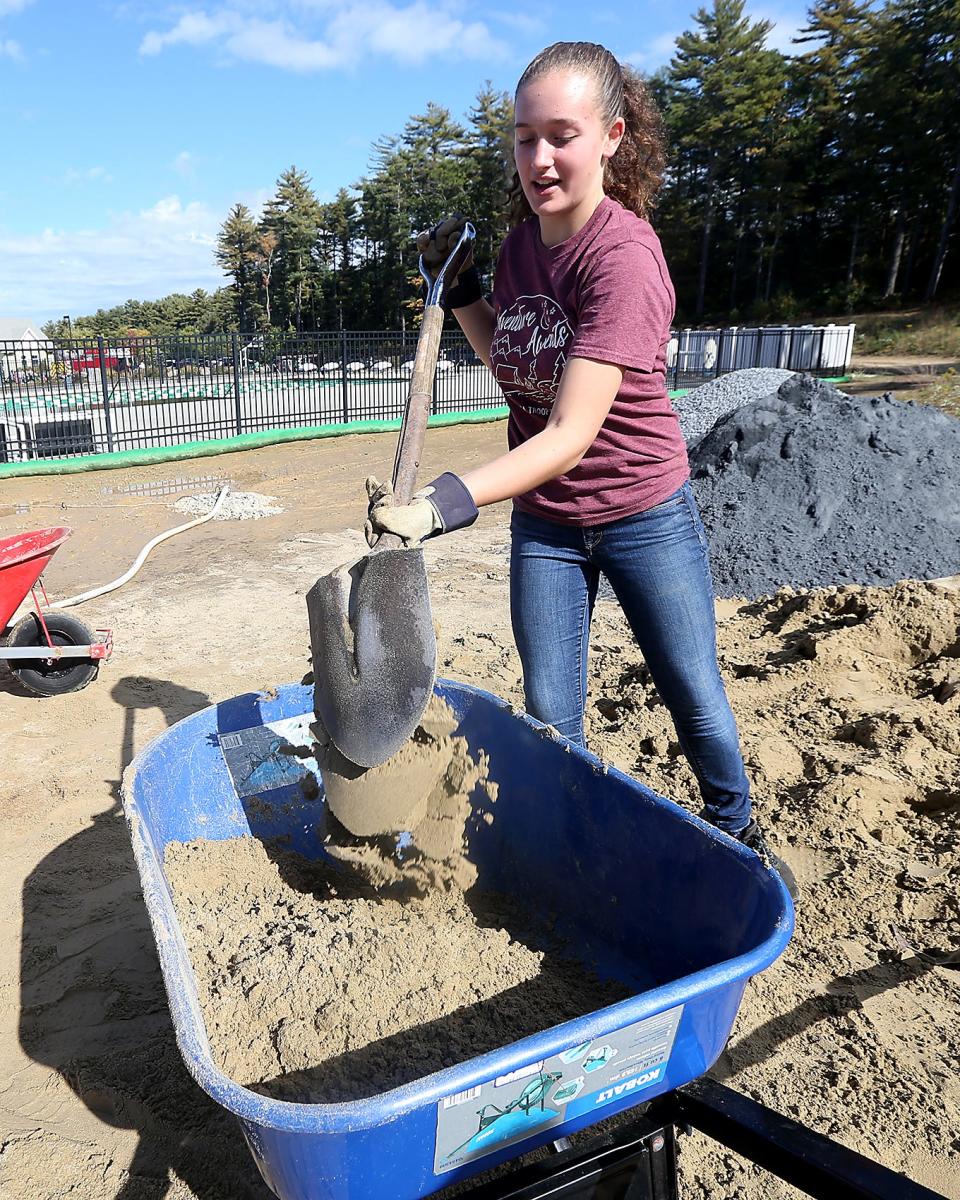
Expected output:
{"points": [[317, 987], [423, 789], [330, 981], [810, 487]]}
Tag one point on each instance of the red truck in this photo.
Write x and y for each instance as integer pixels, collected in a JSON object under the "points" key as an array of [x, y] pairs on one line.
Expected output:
{"points": [[115, 358]]}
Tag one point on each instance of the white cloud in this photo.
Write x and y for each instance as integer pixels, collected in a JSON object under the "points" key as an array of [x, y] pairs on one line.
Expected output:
{"points": [[10, 49], [274, 44], [185, 163], [165, 248], [87, 175], [786, 25], [193, 29], [656, 53], [9, 7], [351, 32], [523, 22]]}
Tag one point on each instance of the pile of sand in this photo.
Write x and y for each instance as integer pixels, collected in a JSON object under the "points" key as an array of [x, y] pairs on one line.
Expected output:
{"points": [[848, 704]]}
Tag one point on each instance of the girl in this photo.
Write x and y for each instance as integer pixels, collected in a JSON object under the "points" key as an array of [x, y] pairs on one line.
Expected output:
{"points": [[597, 466]]}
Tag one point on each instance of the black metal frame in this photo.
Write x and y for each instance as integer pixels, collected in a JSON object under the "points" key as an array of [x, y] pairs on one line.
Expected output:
{"points": [[76, 397], [638, 1160]]}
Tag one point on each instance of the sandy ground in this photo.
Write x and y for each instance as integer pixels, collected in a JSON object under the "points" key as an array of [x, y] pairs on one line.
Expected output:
{"points": [[851, 729], [903, 364]]}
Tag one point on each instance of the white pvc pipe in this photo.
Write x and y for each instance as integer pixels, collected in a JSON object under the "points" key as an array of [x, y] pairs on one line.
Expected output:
{"points": [[142, 556]]}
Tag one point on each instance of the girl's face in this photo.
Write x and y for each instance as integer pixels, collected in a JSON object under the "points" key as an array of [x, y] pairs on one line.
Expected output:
{"points": [[561, 144]]}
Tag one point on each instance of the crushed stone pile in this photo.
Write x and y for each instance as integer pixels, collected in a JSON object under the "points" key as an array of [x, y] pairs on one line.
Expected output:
{"points": [[700, 409], [810, 487], [238, 506]]}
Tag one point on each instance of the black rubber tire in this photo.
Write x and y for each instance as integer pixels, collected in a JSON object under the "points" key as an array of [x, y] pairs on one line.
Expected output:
{"points": [[52, 678]]}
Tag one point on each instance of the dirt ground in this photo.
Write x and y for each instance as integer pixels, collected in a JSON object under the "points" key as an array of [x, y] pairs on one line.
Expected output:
{"points": [[851, 729]]}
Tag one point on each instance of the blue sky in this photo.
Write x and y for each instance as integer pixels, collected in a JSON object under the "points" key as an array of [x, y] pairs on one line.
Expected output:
{"points": [[130, 128]]}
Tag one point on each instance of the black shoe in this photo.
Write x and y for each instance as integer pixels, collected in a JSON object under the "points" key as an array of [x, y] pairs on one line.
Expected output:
{"points": [[754, 840]]}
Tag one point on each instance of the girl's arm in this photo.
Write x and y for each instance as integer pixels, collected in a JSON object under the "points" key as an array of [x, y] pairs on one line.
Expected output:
{"points": [[587, 389], [478, 322]]}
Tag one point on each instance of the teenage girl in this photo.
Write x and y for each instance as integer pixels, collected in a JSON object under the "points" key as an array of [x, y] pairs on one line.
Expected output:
{"points": [[597, 468]]}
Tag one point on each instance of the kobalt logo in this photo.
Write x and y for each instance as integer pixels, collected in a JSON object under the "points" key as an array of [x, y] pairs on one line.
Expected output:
{"points": [[628, 1085]]}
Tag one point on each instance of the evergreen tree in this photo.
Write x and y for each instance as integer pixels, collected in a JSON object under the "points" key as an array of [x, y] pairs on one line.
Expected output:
{"points": [[236, 252], [488, 162], [727, 96], [335, 255], [831, 155], [293, 217]]}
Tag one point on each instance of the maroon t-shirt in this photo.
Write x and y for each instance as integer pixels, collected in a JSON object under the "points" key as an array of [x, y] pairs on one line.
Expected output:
{"points": [[604, 293]]}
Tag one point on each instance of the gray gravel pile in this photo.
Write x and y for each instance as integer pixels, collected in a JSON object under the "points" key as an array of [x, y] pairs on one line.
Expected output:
{"points": [[238, 506], [700, 409], [810, 487]]}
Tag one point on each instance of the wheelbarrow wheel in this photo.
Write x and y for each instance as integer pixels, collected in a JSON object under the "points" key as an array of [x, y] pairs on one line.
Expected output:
{"points": [[52, 677]]}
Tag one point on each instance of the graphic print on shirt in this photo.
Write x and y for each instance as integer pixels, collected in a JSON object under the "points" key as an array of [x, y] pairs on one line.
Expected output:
{"points": [[529, 352]]}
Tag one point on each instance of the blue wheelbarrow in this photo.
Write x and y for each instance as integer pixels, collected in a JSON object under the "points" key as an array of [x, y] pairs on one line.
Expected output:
{"points": [[639, 889]]}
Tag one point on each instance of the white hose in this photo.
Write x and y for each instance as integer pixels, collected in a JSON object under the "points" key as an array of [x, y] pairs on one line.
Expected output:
{"points": [[142, 556]]}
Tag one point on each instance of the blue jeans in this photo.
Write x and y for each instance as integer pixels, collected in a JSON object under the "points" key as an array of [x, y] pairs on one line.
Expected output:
{"points": [[656, 563]]}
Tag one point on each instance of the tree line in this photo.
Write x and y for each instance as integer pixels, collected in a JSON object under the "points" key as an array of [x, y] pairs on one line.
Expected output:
{"points": [[823, 180]]}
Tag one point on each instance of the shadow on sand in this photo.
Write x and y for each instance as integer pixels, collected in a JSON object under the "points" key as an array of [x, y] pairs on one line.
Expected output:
{"points": [[93, 1007]]}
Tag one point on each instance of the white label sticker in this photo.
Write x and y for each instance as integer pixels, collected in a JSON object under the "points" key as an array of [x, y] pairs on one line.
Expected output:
{"points": [[583, 1078]]}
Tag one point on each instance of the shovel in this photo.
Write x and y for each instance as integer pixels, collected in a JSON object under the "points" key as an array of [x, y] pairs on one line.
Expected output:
{"points": [[372, 641]]}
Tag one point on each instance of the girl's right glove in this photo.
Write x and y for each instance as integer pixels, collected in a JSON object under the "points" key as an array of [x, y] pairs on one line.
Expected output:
{"points": [[435, 246], [440, 507]]}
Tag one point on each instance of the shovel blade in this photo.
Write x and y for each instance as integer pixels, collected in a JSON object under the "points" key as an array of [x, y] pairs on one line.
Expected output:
{"points": [[374, 653]]}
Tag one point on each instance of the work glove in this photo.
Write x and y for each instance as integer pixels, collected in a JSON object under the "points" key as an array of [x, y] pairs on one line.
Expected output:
{"points": [[442, 506], [435, 246]]}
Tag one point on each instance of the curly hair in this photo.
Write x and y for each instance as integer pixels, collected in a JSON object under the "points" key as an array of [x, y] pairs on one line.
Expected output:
{"points": [[635, 172]]}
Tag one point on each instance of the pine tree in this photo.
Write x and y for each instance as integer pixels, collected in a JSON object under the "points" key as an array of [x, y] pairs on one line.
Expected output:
{"points": [[236, 252], [335, 255], [488, 162], [831, 155], [726, 107], [913, 135], [293, 217]]}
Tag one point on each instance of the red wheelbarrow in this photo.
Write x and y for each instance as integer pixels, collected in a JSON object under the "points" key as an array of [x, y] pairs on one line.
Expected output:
{"points": [[49, 652]]}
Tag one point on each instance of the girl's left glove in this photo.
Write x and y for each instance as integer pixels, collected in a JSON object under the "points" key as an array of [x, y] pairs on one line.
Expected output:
{"points": [[443, 505]]}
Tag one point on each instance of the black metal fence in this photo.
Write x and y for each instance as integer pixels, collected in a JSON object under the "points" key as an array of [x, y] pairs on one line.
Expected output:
{"points": [[80, 397]]}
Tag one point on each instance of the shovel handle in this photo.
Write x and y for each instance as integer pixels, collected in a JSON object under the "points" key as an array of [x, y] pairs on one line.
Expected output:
{"points": [[419, 401], [420, 397]]}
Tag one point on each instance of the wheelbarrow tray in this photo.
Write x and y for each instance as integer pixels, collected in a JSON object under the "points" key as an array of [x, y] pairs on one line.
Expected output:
{"points": [[23, 559], [641, 890]]}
